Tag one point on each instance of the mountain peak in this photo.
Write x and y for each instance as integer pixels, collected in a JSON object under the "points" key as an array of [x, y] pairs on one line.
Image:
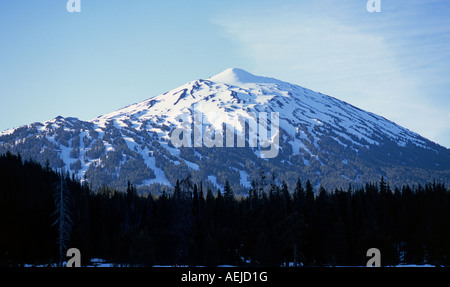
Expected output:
{"points": [[321, 138], [236, 76]]}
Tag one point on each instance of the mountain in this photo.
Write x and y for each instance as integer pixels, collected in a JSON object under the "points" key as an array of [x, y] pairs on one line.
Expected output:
{"points": [[191, 129]]}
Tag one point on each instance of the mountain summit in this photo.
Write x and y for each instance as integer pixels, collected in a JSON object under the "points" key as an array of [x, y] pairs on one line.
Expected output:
{"points": [[321, 138], [235, 76]]}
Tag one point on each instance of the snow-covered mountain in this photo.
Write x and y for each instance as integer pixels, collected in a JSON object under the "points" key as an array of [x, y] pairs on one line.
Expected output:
{"points": [[319, 137]]}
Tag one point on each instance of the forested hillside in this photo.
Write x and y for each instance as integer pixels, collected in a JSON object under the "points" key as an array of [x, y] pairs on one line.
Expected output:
{"points": [[312, 136], [189, 225]]}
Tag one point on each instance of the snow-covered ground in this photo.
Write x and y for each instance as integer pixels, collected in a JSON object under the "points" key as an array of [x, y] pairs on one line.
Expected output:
{"points": [[231, 98]]}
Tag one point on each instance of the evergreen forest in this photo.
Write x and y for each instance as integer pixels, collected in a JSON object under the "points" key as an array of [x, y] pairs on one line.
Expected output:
{"points": [[190, 225]]}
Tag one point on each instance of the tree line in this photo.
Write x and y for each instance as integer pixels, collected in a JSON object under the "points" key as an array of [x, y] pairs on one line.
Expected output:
{"points": [[273, 225]]}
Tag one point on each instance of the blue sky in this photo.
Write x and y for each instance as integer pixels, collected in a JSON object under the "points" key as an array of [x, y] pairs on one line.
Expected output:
{"points": [[395, 63]]}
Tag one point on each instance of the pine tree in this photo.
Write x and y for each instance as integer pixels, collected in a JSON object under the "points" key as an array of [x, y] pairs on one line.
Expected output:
{"points": [[299, 194], [228, 191], [195, 203], [64, 216], [177, 190], [286, 198], [183, 219]]}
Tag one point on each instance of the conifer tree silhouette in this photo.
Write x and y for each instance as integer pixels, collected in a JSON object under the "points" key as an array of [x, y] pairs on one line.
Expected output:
{"points": [[63, 216]]}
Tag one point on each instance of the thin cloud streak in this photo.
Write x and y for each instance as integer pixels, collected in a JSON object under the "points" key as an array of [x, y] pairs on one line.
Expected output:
{"points": [[364, 63]]}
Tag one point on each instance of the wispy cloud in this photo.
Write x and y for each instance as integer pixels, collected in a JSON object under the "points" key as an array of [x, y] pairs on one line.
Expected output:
{"points": [[395, 64]]}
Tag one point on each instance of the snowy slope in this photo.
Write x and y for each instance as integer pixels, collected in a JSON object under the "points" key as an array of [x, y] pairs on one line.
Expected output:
{"points": [[301, 110], [321, 137]]}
